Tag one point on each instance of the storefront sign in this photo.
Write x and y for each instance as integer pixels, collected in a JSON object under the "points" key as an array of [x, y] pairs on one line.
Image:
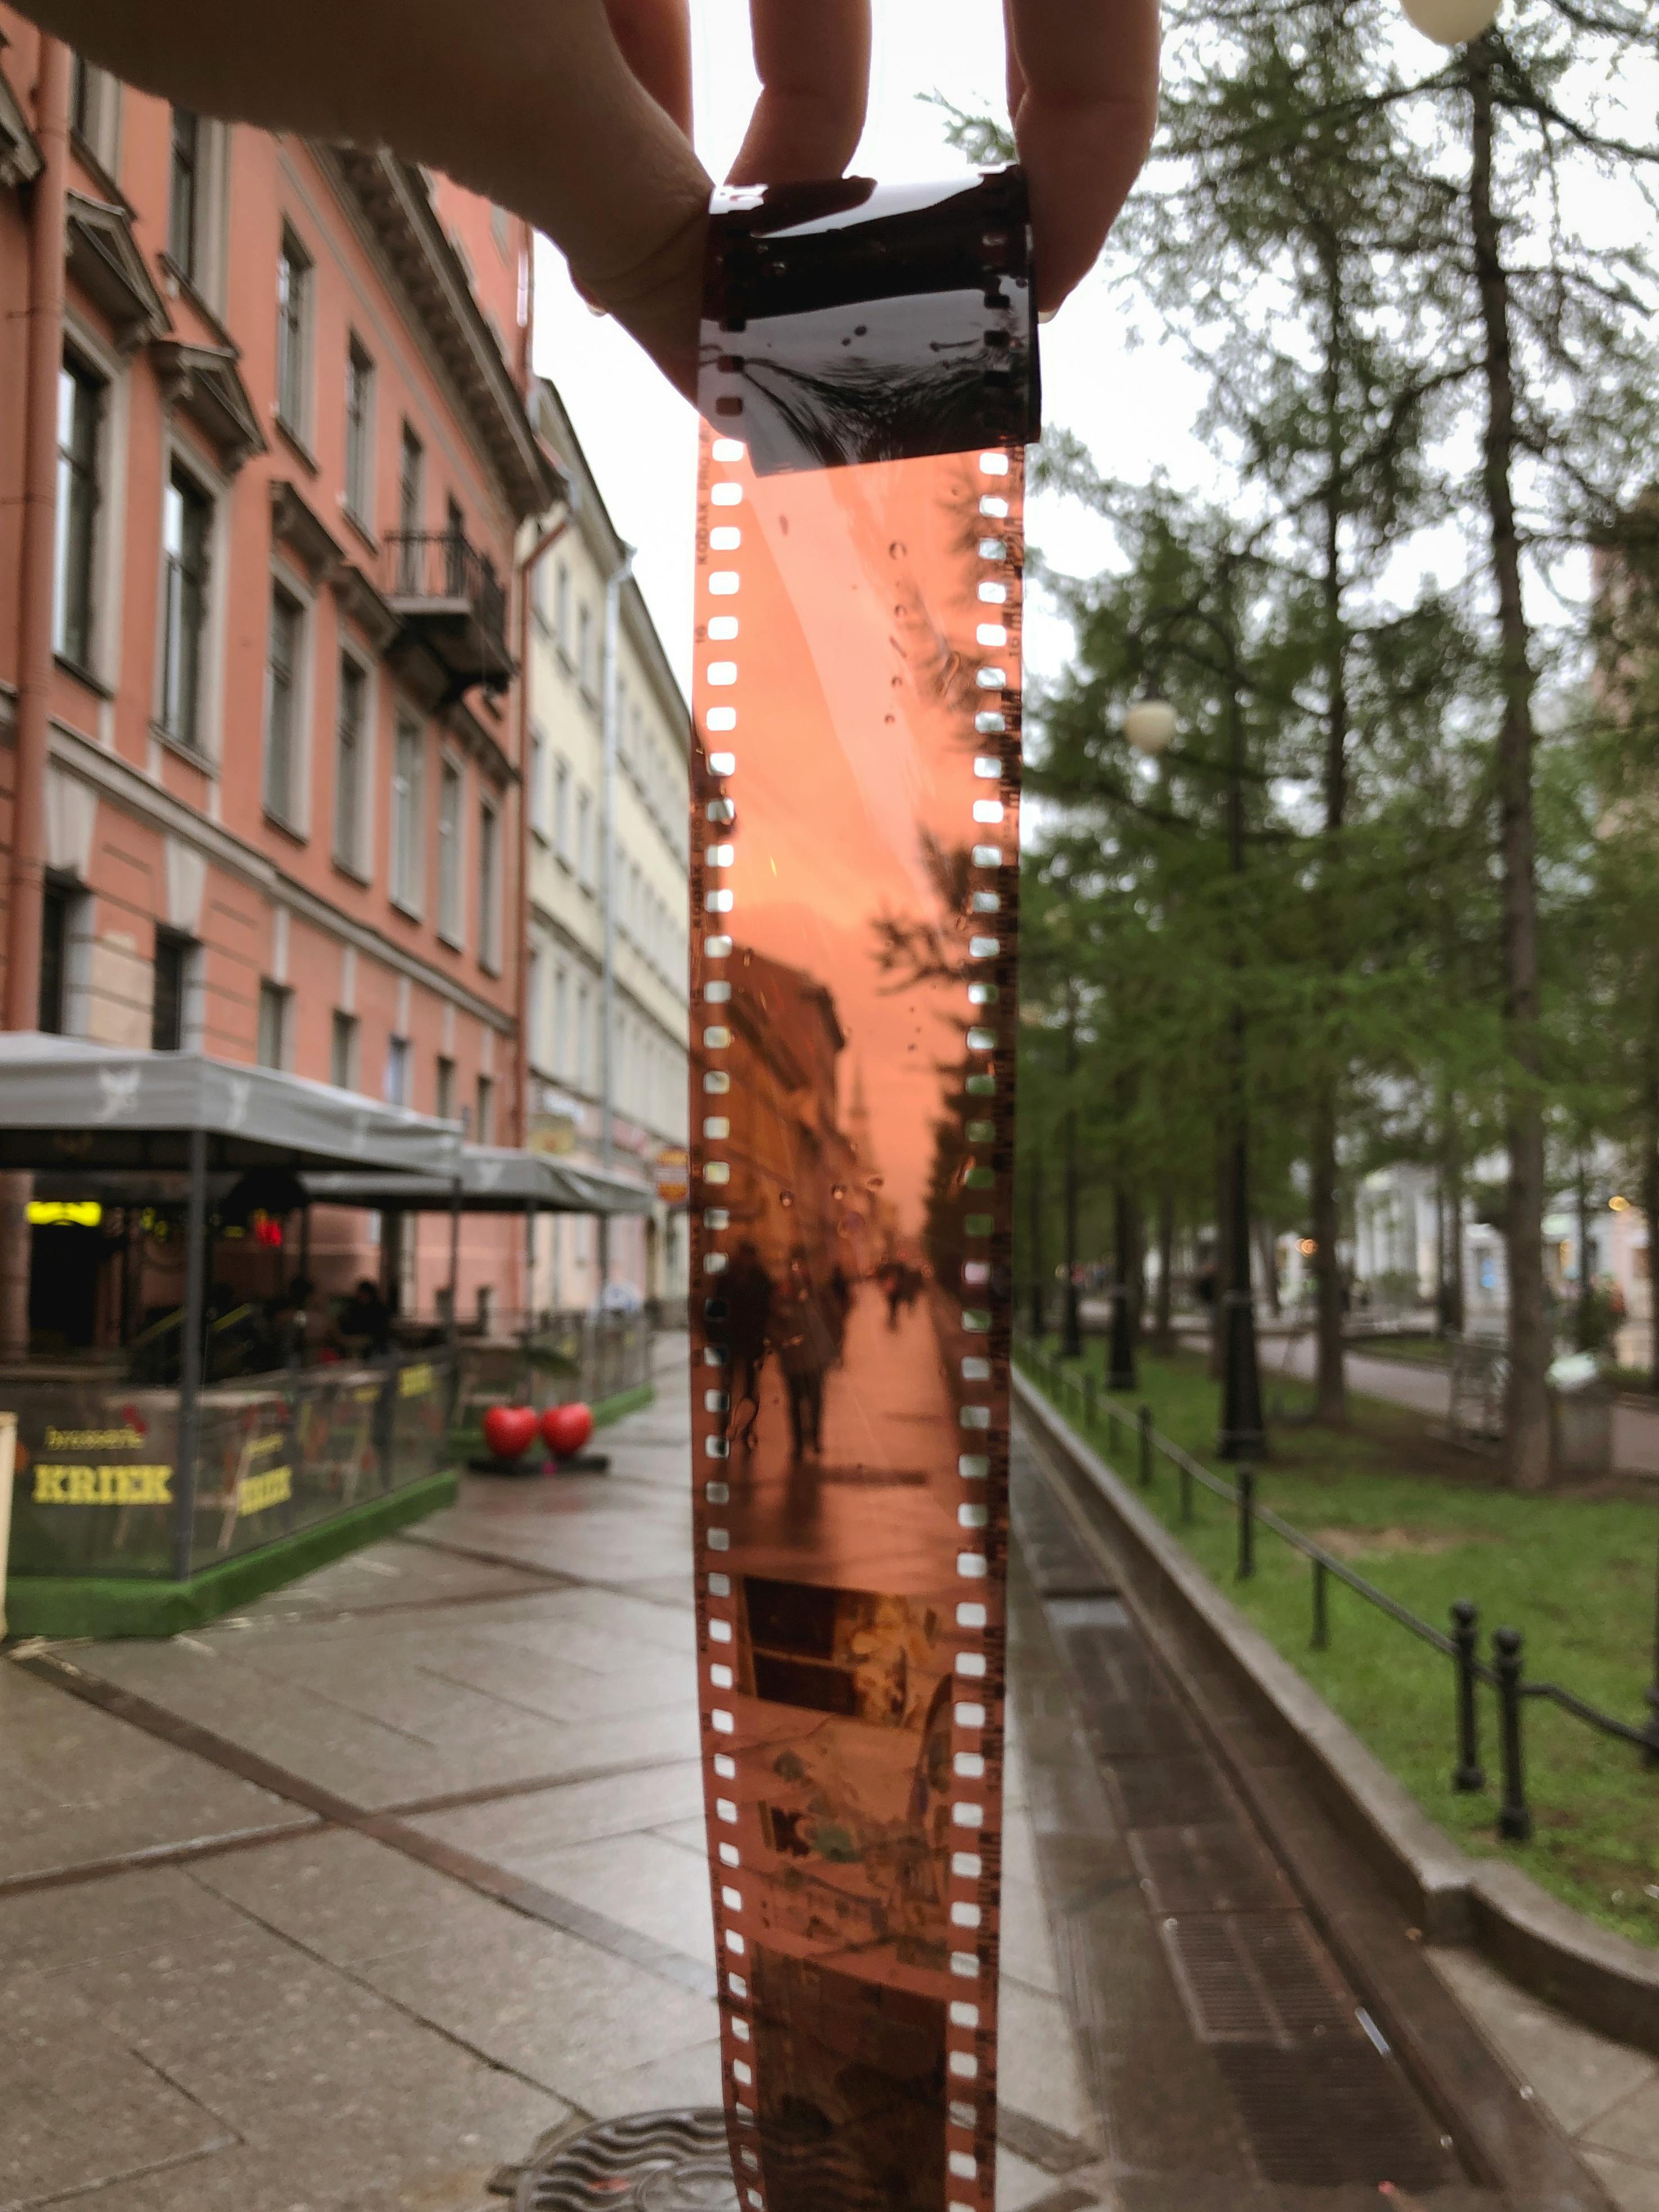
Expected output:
{"points": [[64, 1213], [101, 1485]]}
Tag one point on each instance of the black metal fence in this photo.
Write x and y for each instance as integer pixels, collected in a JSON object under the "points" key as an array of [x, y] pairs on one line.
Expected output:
{"points": [[1504, 1673]]}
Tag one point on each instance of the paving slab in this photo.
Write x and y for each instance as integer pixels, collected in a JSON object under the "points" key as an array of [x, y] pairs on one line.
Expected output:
{"points": [[78, 1785]]}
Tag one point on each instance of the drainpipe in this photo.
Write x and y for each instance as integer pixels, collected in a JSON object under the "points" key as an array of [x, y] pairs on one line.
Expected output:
{"points": [[613, 592], [47, 234], [538, 552]]}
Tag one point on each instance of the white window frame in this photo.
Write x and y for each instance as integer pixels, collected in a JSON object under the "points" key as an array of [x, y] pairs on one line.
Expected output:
{"points": [[293, 405], [536, 784], [406, 869], [360, 496], [207, 750], [490, 881], [357, 860], [295, 818], [451, 903], [281, 996], [347, 1027], [400, 1056]]}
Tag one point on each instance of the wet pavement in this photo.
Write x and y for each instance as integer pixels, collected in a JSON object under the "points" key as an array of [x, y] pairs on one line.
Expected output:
{"points": [[341, 1904]]}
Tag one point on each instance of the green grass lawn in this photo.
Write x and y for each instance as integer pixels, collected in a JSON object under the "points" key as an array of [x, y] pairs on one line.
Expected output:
{"points": [[1430, 1524]]}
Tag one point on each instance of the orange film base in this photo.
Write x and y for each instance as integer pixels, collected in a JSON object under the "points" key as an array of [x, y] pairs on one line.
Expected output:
{"points": [[855, 886]]}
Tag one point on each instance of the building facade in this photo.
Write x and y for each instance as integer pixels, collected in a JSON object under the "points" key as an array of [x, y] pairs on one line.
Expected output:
{"points": [[293, 454], [607, 770]]}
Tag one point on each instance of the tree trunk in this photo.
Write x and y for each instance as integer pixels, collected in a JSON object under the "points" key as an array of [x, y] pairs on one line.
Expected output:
{"points": [[1527, 1421], [1163, 1316], [1458, 1305], [1224, 1185], [1651, 1207], [1330, 1392]]}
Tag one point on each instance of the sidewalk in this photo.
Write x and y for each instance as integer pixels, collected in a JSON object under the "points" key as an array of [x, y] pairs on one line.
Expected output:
{"points": [[343, 1904], [431, 1881]]}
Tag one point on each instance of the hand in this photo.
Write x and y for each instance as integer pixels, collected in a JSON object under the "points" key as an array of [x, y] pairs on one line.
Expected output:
{"points": [[576, 114]]}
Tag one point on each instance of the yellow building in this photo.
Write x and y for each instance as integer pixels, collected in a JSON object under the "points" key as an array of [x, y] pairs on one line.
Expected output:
{"points": [[606, 767]]}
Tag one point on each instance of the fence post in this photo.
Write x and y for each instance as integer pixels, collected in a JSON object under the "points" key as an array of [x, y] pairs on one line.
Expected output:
{"points": [[1111, 1430], [1322, 1608], [1514, 1820], [1466, 1628], [1246, 1524], [1186, 1491], [1089, 1401], [1146, 1447]]}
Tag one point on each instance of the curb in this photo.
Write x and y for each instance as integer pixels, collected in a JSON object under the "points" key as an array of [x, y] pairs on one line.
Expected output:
{"points": [[1603, 1981]]}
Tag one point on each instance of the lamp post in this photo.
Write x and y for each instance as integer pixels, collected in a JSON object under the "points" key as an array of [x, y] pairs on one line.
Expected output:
{"points": [[1451, 23]]}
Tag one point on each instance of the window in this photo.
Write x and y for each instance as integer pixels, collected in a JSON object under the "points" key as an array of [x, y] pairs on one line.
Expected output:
{"points": [[408, 872], [186, 528], [171, 991], [80, 405], [585, 648], [274, 999], [561, 608], [454, 550], [293, 333], [560, 1022], [184, 192], [449, 853], [484, 1125], [360, 433], [350, 742], [411, 483], [535, 971], [489, 883], [95, 110], [343, 1052], [583, 1037], [283, 676], [397, 1071], [498, 230], [536, 777], [561, 810], [57, 904], [585, 837], [443, 1101]]}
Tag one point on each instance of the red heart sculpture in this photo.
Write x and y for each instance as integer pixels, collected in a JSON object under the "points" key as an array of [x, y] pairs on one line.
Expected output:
{"points": [[509, 1430], [566, 1428]]}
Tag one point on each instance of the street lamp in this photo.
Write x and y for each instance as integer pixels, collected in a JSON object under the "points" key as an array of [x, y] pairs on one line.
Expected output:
{"points": [[1451, 23], [1150, 725]]}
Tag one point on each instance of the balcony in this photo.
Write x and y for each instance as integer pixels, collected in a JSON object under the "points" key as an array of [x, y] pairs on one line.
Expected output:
{"points": [[451, 602]]}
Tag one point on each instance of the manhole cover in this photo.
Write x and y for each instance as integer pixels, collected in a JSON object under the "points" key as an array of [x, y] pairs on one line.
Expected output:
{"points": [[650, 2162]]}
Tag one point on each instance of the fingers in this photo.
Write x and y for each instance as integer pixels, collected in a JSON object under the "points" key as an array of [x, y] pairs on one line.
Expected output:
{"points": [[813, 58], [1085, 74], [655, 37]]}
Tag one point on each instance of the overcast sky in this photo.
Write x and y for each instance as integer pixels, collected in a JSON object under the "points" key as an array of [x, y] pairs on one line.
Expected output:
{"points": [[1130, 406]]}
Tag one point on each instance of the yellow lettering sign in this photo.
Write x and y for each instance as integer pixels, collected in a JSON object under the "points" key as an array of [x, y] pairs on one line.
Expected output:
{"points": [[257, 1493], [415, 1382], [102, 1486]]}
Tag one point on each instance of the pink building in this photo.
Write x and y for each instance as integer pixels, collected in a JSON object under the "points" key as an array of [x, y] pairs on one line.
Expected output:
{"points": [[280, 819]]}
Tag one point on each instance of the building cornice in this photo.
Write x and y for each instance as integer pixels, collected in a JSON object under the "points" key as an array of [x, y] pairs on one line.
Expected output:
{"points": [[393, 200], [132, 791], [105, 262], [204, 383]]}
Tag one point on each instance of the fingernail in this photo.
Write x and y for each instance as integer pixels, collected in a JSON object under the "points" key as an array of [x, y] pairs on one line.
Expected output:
{"points": [[594, 309], [1047, 315]]}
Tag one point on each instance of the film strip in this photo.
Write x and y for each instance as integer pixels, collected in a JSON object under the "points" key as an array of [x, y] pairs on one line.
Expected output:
{"points": [[869, 383]]}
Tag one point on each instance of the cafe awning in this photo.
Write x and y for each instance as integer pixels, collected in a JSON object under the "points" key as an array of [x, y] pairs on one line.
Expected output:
{"points": [[68, 1105], [494, 1179]]}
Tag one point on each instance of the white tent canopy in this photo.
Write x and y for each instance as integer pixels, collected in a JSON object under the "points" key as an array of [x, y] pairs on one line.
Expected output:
{"points": [[494, 1179], [68, 1104]]}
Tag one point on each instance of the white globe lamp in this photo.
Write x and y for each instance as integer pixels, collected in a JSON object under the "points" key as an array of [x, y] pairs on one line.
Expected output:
{"points": [[1451, 23], [1149, 726]]}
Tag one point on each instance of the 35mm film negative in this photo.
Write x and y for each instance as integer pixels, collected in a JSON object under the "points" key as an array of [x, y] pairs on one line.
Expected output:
{"points": [[868, 384]]}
